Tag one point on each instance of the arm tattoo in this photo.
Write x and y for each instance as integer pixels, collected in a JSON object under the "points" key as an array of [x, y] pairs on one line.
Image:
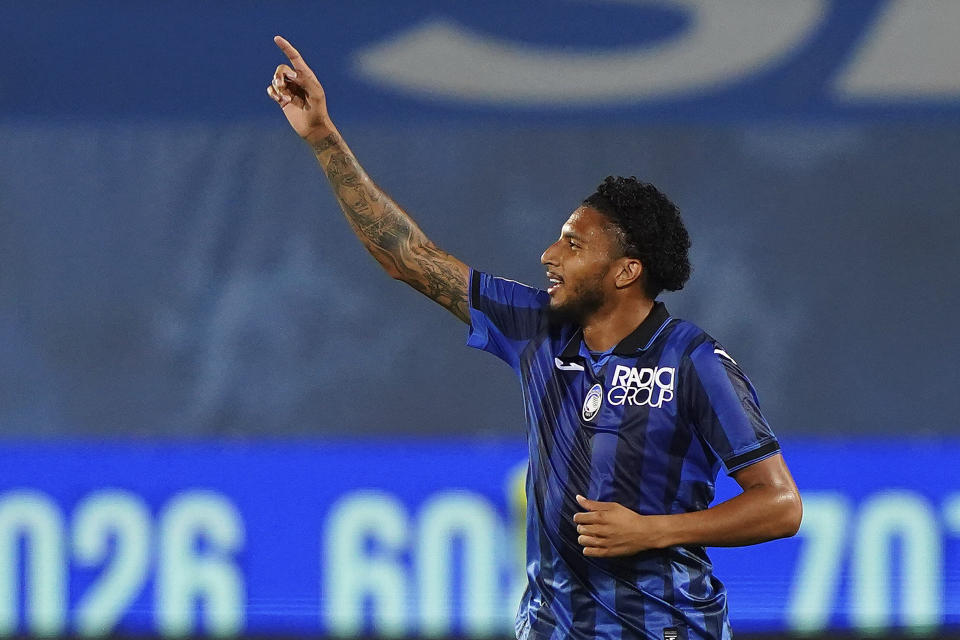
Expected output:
{"points": [[326, 143], [389, 234]]}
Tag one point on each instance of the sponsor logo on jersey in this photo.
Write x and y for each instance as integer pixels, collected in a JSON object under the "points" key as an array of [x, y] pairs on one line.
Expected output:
{"points": [[591, 404], [638, 387]]}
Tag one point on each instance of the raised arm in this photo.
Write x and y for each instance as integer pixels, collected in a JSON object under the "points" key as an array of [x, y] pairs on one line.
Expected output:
{"points": [[385, 229]]}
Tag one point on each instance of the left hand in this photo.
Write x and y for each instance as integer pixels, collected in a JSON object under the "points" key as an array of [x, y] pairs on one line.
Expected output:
{"points": [[609, 529], [298, 92]]}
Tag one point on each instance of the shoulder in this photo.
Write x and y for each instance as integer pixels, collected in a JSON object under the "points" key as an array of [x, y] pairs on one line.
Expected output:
{"points": [[487, 288], [704, 358], [698, 350], [685, 338]]}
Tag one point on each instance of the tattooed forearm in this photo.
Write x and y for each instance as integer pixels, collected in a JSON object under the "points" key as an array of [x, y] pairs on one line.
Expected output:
{"points": [[443, 281], [326, 143], [389, 234]]}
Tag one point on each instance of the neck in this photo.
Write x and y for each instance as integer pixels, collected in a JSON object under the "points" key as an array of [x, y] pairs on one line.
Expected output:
{"points": [[607, 327]]}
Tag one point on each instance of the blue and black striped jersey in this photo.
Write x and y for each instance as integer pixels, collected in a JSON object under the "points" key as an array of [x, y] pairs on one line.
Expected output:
{"points": [[648, 426]]}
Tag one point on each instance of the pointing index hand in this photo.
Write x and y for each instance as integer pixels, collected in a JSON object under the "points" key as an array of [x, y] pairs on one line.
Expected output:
{"points": [[292, 54], [298, 92]]}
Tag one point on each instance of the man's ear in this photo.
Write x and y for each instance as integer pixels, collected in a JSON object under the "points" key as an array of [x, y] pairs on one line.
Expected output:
{"points": [[628, 271]]}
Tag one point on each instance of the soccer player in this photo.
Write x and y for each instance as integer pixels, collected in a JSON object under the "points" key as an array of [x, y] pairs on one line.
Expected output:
{"points": [[630, 411]]}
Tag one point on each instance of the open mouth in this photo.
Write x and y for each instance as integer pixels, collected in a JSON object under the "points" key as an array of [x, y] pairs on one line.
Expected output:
{"points": [[555, 283]]}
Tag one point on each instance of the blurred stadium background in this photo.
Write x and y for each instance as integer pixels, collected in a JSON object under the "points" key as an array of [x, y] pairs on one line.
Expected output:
{"points": [[219, 417]]}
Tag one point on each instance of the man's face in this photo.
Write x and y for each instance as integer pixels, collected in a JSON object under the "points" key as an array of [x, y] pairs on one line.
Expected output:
{"points": [[578, 265]]}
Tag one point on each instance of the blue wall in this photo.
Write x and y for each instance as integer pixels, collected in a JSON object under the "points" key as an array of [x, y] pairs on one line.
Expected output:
{"points": [[198, 279]]}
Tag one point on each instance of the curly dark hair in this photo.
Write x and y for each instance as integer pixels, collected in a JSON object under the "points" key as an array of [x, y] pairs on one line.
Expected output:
{"points": [[649, 228]]}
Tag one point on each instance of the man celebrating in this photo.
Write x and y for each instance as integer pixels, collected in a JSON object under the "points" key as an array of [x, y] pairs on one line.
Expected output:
{"points": [[630, 412]]}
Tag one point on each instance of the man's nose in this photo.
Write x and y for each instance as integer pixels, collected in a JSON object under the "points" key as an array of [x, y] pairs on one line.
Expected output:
{"points": [[547, 258]]}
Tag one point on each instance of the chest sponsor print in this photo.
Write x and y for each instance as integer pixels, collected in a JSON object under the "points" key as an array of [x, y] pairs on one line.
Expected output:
{"points": [[647, 386]]}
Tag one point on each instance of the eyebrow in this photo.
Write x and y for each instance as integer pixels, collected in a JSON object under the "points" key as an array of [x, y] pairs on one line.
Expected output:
{"points": [[566, 233]]}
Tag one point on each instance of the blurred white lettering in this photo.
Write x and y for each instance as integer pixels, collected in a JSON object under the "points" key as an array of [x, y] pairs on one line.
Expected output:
{"points": [[354, 574], [817, 577], [447, 518], [33, 517], [727, 41], [187, 575], [885, 518], [910, 55], [126, 518]]}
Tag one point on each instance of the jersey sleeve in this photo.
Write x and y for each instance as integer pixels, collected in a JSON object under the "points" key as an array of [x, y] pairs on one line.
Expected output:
{"points": [[725, 410], [504, 316]]}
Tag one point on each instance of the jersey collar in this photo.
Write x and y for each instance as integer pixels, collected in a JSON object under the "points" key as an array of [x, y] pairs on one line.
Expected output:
{"points": [[639, 339]]}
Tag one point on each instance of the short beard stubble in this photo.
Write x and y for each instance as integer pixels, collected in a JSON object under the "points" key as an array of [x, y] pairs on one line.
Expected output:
{"points": [[583, 302]]}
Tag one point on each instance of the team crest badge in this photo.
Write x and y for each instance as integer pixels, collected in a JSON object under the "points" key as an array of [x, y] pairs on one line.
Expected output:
{"points": [[591, 404]]}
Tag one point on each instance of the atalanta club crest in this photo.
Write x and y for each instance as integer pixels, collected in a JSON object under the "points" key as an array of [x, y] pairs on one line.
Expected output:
{"points": [[591, 404]]}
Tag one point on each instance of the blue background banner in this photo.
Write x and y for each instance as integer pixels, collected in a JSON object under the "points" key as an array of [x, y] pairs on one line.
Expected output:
{"points": [[427, 60], [397, 537]]}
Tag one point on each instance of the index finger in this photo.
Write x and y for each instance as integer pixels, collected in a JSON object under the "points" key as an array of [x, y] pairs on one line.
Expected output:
{"points": [[292, 54]]}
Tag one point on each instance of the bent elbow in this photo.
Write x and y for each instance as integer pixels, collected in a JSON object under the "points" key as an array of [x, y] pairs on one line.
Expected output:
{"points": [[792, 507]]}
